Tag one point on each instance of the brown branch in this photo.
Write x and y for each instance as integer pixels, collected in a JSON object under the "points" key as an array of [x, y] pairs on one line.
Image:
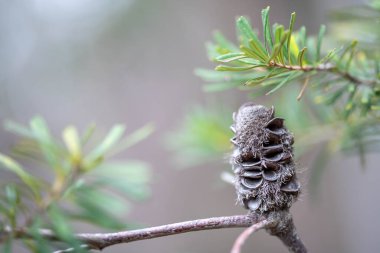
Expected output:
{"points": [[279, 224], [246, 233], [100, 241]]}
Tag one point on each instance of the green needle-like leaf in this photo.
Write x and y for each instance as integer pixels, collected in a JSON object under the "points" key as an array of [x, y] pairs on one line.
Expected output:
{"points": [[18, 129], [252, 53], [277, 52], [224, 43], [266, 27], [302, 37], [300, 58], [290, 77], [230, 57], [321, 33], [88, 134], [291, 25], [134, 138], [109, 141], [229, 68], [72, 141], [33, 183], [247, 32], [49, 148]]}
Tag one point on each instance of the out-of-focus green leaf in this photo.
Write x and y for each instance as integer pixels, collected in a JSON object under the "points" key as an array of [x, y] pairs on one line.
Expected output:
{"points": [[13, 200], [290, 77], [346, 51], [203, 136], [18, 129], [11, 165], [302, 37], [73, 187], [330, 55], [72, 141], [61, 227], [87, 134], [39, 244], [60, 224], [133, 138], [267, 76], [224, 43], [113, 136], [45, 140], [7, 246], [375, 4], [367, 93], [92, 208], [321, 34], [130, 178], [12, 195], [332, 96]]}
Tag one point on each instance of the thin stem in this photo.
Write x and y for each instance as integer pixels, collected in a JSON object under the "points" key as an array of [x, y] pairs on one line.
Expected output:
{"points": [[245, 235], [326, 68], [84, 246], [306, 82]]}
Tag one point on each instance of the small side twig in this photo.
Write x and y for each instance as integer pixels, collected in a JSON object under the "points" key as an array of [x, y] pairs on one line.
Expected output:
{"points": [[306, 82], [239, 242], [83, 246]]}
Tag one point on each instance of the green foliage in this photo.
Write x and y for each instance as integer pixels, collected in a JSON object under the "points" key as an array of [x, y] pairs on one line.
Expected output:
{"points": [[340, 87], [347, 77], [203, 136], [358, 23], [67, 180]]}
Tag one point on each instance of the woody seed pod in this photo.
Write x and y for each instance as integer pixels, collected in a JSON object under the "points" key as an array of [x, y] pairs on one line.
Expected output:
{"points": [[265, 178]]}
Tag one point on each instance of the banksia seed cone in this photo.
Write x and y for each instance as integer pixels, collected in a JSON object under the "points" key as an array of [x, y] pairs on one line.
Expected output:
{"points": [[262, 160]]}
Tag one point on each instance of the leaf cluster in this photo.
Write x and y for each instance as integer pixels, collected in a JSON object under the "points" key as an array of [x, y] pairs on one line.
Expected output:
{"points": [[344, 76], [340, 87], [67, 179]]}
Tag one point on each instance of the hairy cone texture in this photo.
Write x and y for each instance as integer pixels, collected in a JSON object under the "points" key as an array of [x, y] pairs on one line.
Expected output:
{"points": [[262, 160]]}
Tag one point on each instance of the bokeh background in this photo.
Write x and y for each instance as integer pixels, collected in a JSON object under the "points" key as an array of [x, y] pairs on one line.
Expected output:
{"points": [[132, 61]]}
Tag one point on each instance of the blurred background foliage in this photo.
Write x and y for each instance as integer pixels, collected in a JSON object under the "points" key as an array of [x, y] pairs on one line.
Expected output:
{"points": [[131, 61], [61, 181], [338, 100]]}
